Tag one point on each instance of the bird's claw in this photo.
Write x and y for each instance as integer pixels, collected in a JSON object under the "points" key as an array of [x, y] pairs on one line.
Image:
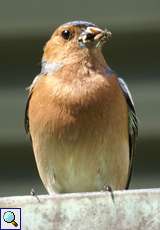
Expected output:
{"points": [[33, 193], [109, 189]]}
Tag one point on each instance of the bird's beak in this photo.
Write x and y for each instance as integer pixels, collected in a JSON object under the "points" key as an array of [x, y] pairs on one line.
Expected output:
{"points": [[93, 36]]}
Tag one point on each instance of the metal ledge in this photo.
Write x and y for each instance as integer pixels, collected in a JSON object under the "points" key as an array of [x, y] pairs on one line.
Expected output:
{"points": [[133, 209]]}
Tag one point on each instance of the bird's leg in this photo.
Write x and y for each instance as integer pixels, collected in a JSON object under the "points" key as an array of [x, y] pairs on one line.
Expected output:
{"points": [[33, 193], [110, 190]]}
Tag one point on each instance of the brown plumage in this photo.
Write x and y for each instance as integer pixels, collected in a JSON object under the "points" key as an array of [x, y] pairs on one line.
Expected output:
{"points": [[80, 116]]}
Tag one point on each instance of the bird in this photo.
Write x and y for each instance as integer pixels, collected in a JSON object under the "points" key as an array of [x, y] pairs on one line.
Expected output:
{"points": [[80, 114]]}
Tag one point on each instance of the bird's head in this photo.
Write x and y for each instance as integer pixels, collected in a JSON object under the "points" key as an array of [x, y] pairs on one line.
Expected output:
{"points": [[74, 38]]}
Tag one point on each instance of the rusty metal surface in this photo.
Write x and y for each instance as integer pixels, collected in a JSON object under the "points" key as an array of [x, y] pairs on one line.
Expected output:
{"points": [[133, 209]]}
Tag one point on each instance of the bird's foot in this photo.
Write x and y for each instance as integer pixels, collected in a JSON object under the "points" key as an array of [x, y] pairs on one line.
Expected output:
{"points": [[33, 193], [109, 189]]}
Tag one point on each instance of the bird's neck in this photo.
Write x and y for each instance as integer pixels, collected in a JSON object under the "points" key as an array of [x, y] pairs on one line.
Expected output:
{"points": [[91, 59]]}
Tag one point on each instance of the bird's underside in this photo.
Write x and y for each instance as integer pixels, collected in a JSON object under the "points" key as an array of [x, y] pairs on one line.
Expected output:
{"points": [[83, 146]]}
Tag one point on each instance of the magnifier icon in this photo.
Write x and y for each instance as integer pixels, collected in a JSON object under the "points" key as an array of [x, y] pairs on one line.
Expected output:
{"points": [[9, 218]]}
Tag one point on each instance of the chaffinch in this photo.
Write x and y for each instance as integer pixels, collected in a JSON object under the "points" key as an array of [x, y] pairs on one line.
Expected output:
{"points": [[80, 115]]}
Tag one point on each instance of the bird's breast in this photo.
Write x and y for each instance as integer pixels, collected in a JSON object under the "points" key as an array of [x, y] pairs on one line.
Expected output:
{"points": [[78, 134], [59, 106]]}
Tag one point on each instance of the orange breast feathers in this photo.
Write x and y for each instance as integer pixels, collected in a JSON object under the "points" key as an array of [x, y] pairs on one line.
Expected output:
{"points": [[56, 105]]}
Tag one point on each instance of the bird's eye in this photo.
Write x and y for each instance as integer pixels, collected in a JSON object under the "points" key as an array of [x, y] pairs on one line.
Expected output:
{"points": [[66, 34]]}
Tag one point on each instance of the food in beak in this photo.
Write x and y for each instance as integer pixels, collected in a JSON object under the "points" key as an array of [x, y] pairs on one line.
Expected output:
{"points": [[94, 34]]}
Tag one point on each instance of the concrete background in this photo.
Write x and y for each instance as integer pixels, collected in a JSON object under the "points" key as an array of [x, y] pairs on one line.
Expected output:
{"points": [[133, 52]]}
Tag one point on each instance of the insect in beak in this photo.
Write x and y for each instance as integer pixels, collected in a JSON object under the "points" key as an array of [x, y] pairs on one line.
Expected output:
{"points": [[94, 35]]}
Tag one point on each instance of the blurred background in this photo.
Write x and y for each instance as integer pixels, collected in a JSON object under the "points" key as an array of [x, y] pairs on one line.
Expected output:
{"points": [[133, 52]]}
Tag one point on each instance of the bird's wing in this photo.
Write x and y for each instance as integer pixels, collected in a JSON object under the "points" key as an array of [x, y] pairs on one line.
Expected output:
{"points": [[132, 125], [26, 118]]}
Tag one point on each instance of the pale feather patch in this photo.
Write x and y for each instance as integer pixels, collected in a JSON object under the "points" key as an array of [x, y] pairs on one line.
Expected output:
{"points": [[50, 67], [33, 83], [47, 68]]}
